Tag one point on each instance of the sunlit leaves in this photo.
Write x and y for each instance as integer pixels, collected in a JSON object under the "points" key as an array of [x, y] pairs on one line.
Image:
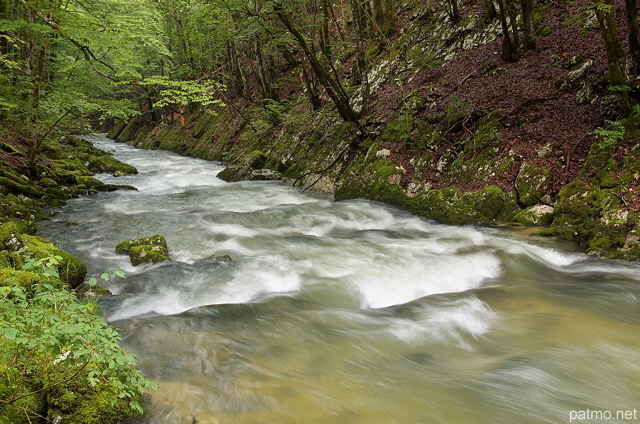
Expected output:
{"points": [[202, 92]]}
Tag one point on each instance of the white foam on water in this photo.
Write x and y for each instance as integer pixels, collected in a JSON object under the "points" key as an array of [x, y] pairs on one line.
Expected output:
{"points": [[454, 322], [248, 282], [387, 286]]}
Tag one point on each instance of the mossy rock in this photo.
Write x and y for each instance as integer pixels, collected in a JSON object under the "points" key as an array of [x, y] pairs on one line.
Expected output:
{"points": [[596, 219], [110, 165], [73, 165], [13, 186], [234, 174], [22, 278], [91, 182], [448, 205], [125, 246], [256, 160], [71, 270], [10, 237], [25, 226], [10, 414], [148, 254], [537, 215], [47, 182], [531, 184], [489, 201], [77, 402], [511, 207]]}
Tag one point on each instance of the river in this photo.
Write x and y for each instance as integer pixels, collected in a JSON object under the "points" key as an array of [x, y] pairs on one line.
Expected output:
{"points": [[351, 311]]}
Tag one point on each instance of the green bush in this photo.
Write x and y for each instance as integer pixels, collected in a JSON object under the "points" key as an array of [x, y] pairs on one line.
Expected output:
{"points": [[49, 339]]}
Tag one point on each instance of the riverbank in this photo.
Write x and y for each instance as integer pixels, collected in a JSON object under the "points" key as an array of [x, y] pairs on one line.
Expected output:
{"points": [[48, 334], [451, 132]]}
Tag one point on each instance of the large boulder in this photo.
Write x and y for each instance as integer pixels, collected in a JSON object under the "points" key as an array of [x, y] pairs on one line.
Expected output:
{"points": [[110, 165], [145, 250], [532, 184], [71, 270], [537, 215]]}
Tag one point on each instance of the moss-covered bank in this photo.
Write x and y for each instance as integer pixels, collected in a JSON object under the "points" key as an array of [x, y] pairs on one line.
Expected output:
{"points": [[65, 171], [437, 140]]}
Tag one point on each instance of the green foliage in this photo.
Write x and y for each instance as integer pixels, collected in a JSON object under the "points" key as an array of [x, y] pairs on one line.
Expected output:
{"points": [[582, 18], [456, 112], [183, 93], [611, 135], [424, 58], [49, 338]]}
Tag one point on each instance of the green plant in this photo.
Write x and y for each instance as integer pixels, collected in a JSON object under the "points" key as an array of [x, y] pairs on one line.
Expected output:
{"points": [[611, 135], [456, 112], [48, 338]]}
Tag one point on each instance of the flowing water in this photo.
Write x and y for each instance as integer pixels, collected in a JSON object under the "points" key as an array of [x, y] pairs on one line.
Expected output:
{"points": [[352, 311]]}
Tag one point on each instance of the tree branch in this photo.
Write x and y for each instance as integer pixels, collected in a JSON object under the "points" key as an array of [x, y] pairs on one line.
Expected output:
{"points": [[86, 51], [12, 401]]}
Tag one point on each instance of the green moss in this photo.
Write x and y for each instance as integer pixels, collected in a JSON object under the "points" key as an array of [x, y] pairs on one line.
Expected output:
{"points": [[148, 254], [488, 130], [256, 160], [398, 129], [10, 237], [91, 182], [76, 402], [23, 278], [448, 205], [534, 215], [531, 184], [544, 31], [382, 169], [10, 414], [16, 187], [125, 246], [74, 166], [110, 165], [489, 201], [72, 271]]}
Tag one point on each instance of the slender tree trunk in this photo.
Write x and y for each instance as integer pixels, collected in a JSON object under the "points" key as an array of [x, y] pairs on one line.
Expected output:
{"points": [[453, 10], [325, 43], [310, 86], [510, 42], [335, 91], [263, 80], [616, 56], [527, 23], [378, 14], [513, 20], [390, 18], [361, 69], [631, 8]]}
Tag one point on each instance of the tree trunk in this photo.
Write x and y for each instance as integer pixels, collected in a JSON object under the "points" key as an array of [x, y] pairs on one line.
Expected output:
{"points": [[325, 44], [361, 69], [390, 18], [631, 8], [453, 11], [527, 21], [616, 57], [335, 91], [510, 42]]}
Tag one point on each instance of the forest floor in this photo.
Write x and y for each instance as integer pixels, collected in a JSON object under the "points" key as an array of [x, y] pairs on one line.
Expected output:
{"points": [[534, 111]]}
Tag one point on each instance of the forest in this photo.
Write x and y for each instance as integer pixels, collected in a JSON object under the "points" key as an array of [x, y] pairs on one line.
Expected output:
{"points": [[491, 112]]}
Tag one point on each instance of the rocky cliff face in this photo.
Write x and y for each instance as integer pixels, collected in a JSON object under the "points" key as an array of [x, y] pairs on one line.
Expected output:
{"points": [[451, 133]]}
